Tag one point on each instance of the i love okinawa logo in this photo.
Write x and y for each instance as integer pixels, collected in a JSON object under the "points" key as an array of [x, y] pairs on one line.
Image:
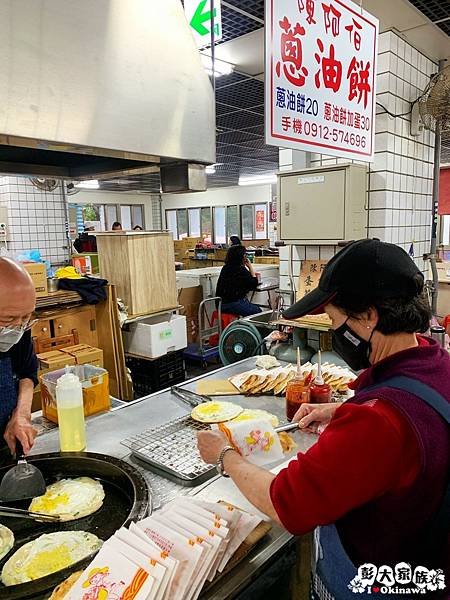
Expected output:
{"points": [[401, 579]]}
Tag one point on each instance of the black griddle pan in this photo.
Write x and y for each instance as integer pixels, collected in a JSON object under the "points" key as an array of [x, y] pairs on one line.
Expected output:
{"points": [[126, 499]]}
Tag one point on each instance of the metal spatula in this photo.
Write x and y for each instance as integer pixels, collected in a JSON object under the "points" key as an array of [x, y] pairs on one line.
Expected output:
{"points": [[22, 481], [19, 513]]}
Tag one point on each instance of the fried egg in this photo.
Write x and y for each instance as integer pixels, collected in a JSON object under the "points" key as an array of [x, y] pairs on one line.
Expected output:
{"points": [[249, 414], [6, 540], [215, 412], [70, 498], [47, 554]]}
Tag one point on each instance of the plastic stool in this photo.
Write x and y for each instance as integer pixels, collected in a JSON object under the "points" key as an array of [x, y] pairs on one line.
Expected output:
{"points": [[227, 318]]}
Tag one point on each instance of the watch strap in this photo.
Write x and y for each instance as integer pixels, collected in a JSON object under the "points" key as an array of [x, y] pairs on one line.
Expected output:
{"points": [[219, 465]]}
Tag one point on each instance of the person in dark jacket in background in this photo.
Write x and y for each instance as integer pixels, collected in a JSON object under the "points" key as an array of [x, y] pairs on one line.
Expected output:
{"points": [[86, 242], [237, 278]]}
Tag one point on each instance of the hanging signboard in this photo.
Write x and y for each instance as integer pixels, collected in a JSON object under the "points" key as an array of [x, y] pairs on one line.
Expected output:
{"points": [[320, 77], [310, 272]]}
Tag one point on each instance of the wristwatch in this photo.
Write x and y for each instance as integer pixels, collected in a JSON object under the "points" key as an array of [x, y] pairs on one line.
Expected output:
{"points": [[219, 464]]}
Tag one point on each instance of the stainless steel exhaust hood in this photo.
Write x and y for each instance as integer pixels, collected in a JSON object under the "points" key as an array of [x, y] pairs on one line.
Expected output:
{"points": [[98, 88]]}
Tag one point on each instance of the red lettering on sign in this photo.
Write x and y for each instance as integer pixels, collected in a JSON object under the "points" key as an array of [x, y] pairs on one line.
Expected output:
{"points": [[358, 77], [355, 36], [332, 19], [292, 53], [331, 69]]}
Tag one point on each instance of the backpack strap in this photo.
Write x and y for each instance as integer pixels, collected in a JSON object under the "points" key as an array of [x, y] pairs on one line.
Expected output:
{"points": [[419, 389], [440, 523]]}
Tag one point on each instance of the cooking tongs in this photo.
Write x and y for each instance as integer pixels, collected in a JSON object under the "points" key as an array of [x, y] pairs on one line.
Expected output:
{"points": [[20, 513], [189, 397]]}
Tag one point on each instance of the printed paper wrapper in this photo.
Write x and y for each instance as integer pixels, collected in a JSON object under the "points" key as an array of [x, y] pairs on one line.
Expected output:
{"points": [[256, 440]]}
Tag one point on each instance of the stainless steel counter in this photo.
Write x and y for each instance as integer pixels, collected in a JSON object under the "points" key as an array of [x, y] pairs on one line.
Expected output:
{"points": [[106, 431]]}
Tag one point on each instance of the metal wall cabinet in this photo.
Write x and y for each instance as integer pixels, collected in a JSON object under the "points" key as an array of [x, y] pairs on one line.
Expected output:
{"points": [[324, 205]]}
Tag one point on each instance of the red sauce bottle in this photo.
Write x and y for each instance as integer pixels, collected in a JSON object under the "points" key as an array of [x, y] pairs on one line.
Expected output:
{"points": [[320, 392], [297, 393]]}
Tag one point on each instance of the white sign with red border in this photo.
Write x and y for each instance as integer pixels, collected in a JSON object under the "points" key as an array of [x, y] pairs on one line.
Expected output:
{"points": [[321, 60]]}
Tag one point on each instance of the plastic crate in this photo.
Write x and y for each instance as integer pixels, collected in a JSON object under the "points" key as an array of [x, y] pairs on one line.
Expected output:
{"points": [[151, 376]]}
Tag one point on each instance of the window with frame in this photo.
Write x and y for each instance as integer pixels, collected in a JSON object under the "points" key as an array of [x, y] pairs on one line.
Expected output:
{"points": [[220, 226], [206, 224], [233, 227], [182, 220], [111, 216], [125, 217], [195, 229], [247, 221], [171, 223]]}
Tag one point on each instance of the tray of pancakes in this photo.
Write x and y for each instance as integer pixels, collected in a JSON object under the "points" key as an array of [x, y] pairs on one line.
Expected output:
{"points": [[268, 382]]}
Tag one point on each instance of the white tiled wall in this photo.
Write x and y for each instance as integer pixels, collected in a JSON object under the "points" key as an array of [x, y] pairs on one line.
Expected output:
{"points": [[36, 218], [400, 180], [156, 212]]}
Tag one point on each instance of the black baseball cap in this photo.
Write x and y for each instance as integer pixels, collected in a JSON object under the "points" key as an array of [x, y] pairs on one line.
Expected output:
{"points": [[366, 268]]}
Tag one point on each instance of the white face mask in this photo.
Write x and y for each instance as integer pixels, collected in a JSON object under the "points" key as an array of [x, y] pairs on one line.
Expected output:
{"points": [[9, 337]]}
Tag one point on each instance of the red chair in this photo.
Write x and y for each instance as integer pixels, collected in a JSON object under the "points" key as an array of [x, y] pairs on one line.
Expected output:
{"points": [[226, 320], [446, 323]]}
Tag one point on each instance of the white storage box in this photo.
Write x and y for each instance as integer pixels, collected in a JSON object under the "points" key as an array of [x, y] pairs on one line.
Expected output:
{"points": [[155, 336]]}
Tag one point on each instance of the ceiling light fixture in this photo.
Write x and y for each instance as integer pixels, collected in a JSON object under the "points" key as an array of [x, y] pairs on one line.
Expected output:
{"points": [[258, 179], [89, 184], [220, 66], [211, 169]]}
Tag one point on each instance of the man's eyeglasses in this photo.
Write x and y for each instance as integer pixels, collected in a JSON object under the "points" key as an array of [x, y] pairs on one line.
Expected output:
{"points": [[22, 327]]}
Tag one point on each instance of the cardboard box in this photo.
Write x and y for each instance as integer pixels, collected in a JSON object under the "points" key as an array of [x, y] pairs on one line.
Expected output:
{"points": [[86, 264], [189, 299], [443, 269], [83, 354], [155, 336], [54, 360], [38, 274]]}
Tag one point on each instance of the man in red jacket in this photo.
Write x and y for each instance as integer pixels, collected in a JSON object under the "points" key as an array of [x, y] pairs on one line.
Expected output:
{"points": [[373, 486]]}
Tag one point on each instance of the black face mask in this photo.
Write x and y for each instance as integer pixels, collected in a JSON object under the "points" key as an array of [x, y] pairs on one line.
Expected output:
{"points": [[352, 348]]}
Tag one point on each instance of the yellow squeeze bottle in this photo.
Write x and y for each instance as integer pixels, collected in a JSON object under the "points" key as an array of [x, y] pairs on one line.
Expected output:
{"points": [[69, 404]]}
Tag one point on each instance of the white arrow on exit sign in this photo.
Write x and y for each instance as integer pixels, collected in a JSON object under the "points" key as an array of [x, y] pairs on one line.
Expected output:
{"points": [[198, 14]]}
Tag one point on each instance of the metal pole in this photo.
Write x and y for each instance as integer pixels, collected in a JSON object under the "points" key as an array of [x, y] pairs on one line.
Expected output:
{"points": [[213, 50], [66, 215], [434, 224]]}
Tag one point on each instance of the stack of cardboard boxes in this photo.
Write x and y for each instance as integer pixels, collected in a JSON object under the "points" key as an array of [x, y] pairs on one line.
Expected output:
{"points": [[182, 248]]}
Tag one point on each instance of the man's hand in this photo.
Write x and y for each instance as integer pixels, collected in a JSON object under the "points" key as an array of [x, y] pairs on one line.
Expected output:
{"points": [[20, 428], [210, 444], [310, 416]]}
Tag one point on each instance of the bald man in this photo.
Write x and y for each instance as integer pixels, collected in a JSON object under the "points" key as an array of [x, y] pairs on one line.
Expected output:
{"points": [[18, 362]]}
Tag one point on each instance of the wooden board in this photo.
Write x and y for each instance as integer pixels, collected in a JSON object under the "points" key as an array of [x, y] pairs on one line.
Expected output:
{"points": [[57, 299], [106, 342], [310, 273], [320, 322], [217, 387], [125, 383]]}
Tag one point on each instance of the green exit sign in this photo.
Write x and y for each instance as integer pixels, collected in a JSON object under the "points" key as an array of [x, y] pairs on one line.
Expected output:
{"points": [[199, 14]]}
